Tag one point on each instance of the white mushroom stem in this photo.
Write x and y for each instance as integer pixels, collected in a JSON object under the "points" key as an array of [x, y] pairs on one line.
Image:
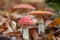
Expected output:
{"points": [[26, 34], [41, 25]]}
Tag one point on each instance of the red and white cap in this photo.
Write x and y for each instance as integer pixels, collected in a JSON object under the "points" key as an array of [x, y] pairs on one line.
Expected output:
{"points": [[26, 20]]}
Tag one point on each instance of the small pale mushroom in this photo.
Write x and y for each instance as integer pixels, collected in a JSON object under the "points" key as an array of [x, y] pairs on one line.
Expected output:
{"points": [[26, 22], [40, 15], [13, 25]]}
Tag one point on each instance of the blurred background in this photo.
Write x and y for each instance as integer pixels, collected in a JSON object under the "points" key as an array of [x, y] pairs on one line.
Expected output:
{"points": [[42, 24]]}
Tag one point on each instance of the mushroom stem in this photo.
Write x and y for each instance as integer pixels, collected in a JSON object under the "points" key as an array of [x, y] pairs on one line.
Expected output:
{"points": [[41, 25], [26, 34]]}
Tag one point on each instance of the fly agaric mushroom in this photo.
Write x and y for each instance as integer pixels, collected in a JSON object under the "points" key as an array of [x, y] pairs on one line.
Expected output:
{"points": [[24, 8], [26, 22], [39, 15]]}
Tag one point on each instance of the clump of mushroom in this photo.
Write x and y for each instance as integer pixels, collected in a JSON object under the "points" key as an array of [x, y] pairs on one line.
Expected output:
{"points": [[25, 23], [40, 15]]}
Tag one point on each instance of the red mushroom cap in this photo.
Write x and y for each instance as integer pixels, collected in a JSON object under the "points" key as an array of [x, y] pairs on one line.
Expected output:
{"points": [[23, 6], [26, 20]]}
